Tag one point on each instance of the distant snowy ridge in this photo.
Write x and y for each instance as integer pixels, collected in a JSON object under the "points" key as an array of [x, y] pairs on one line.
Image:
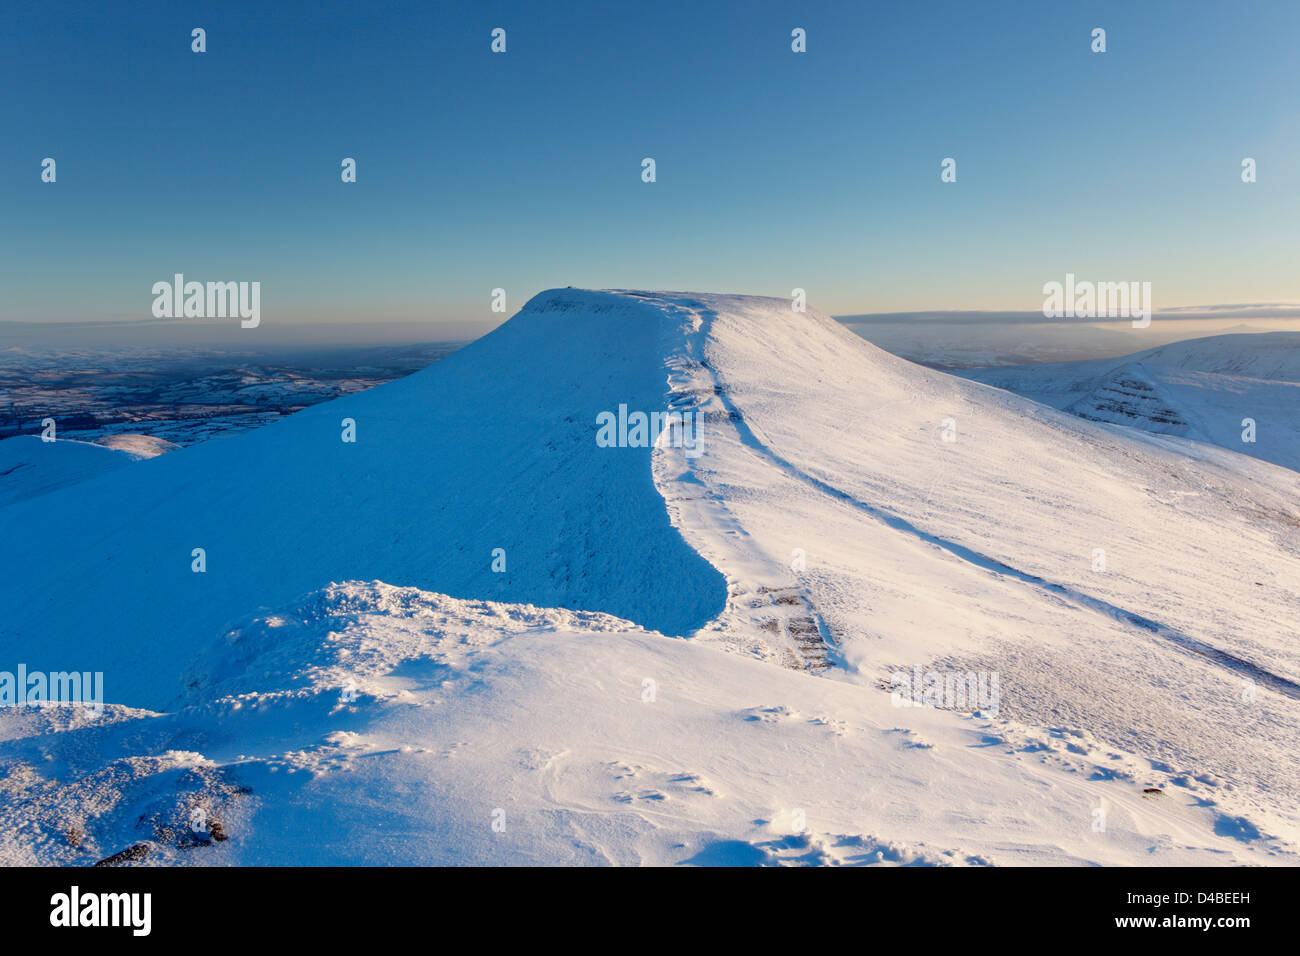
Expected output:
{"points": [[1202, 389], [31, 467]]}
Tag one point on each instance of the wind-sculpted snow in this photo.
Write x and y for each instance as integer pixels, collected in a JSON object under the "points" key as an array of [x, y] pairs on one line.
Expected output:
{"points": [[846, 520], [368, 724]]}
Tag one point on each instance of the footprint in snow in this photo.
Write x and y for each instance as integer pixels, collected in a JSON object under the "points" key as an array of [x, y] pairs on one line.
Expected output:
{"points": [[624, 796], [768, 715]]}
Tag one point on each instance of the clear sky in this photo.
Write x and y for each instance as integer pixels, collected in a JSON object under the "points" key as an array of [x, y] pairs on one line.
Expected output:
{"points": [[523, 170]]}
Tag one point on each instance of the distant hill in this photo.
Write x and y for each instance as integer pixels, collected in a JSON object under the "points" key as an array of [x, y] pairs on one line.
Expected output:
{"points": [[1201, 389]]}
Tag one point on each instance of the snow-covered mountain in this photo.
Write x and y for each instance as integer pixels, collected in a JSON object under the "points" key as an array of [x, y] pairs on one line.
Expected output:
{"points": [[30, 467], [1241, 391], [692, 653]]}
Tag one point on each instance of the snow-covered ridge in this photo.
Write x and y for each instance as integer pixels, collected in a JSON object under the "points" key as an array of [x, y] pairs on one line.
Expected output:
{"points": [[491, 448], [1268, 356], [1203, 389], [850, 516], [30, 466]]}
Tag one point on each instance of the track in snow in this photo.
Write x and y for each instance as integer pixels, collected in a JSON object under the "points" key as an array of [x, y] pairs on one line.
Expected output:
{"points": [[703, 316]]}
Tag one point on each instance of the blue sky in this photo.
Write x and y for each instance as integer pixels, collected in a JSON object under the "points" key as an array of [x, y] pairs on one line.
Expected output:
{"points": [[522, 170]]}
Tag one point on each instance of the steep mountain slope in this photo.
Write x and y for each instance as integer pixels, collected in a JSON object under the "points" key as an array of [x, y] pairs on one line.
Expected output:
{"points": [[846, 517], [490, 448], [1202, 389]]}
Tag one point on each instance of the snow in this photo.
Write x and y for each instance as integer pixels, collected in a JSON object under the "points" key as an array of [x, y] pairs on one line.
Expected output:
{"points": [[1202, 389], [31, 467], [138, 446], [689, 656]]}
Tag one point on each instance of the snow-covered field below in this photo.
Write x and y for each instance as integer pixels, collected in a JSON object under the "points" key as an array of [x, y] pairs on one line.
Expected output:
{"points": [[686, 655]]}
